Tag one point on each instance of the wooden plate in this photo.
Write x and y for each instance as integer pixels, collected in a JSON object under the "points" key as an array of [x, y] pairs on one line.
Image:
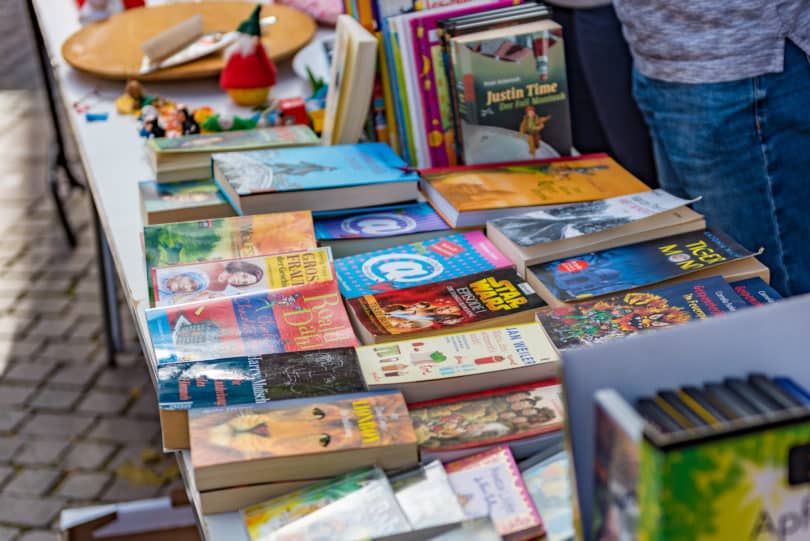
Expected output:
{"points": [[111, 48]]}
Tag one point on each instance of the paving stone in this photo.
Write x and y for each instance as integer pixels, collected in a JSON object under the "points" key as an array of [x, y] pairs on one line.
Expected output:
{"points": [[52, 286], [40, 452], [88, 455], [28, 512], [85, 330], [25, 350], [7, 534], [32, 482], [39, 535], [123, 430], [31, 372], [105, 403], [5, 474], [52, 306], [83, 486], [50, 398], [15, 395], [10, 418], [51, 327], [124, 378], [9, 445], [81, 351], [123, 490], [13, 326], [51, 424], [76, 374], [145, 406]]}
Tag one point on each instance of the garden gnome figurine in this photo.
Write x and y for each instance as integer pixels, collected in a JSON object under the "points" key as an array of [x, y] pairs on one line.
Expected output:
{"points": [[249, 73]]}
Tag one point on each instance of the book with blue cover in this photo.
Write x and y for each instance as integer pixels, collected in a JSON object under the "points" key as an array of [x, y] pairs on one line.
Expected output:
{"points": [[419, 263], [314, 178], [633, 266], [756, 291], [403, 220]]}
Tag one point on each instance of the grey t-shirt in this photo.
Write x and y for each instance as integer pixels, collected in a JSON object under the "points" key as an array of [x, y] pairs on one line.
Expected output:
{"points": [[708, 41]]}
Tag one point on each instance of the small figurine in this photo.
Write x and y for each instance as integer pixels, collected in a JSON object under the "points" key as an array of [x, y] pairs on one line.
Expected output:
{"points": [[218, 123], [97, 10], [249, 73], [531, 126], [188, 124], [152, 128], [134, 99]]}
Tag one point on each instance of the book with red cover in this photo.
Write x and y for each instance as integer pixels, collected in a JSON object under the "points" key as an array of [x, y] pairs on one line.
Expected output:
{"points": [[298, 318]]}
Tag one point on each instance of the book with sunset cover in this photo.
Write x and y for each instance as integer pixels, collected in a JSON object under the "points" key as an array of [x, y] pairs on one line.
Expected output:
{"points": [[226, 238], [306, 438], [293, 319], [486, 299]]}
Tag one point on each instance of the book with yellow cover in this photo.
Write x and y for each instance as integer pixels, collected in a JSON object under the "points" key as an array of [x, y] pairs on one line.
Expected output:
{"points": [[469, 196]]}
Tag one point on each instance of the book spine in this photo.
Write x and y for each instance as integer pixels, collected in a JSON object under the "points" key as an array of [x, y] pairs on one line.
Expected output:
{"points": [[388, 98], [431, 119], [406, 135], [388, 34]]}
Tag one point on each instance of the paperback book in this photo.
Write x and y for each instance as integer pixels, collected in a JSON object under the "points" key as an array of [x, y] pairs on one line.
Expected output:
{"points": [[182, 201], [426, 497], [755, 291], [293, 319], [417, 264], [597, 321], [548, 483], [177, 284], [462, 362], [225, 238], [486, 299]]}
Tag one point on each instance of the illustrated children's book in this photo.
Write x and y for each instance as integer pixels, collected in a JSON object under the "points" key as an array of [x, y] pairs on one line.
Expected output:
{"points": [[755, 291], [630, 267], [293, 319], [465, 424], [470, 196], [193, 282], [226, 238], [486, 299], [462, 362], [594, 322], [490, 484], [548, 483], [410, 265], [182, 201], [316, 178], [305, 438], [426, 497]]}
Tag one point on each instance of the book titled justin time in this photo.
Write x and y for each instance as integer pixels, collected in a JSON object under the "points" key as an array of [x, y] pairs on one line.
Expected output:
{"points": [[512, 93]]}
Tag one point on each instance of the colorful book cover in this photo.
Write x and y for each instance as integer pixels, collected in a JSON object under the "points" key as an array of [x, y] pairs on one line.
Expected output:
{"points": [[226, 238], [594, 322], [513, 94], [755, 292], [318, 425], [446, 304], [454, 355], [235, 140], [637, 265], [489, 418], [531, 184], [403, 220], [426, 497], [489, 483], [550, 488], [472, 529], [294, 319], [194, 282], [256, 380], [158, 197], [314, 168], [577, 219], [416, 264]]}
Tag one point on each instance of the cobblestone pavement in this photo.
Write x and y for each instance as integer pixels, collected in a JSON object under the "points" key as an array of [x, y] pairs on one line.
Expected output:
{"points": [[73, 432]]}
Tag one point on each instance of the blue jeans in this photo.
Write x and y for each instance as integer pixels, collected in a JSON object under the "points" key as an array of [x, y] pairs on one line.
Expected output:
{"points": [[744, 147]]}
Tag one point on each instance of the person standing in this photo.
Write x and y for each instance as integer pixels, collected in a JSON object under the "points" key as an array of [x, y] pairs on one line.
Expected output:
{"points": [[725, 90]]}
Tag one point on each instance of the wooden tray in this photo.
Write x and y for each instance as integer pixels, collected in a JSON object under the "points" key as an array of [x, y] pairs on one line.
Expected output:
{"points": [[111, 48]]}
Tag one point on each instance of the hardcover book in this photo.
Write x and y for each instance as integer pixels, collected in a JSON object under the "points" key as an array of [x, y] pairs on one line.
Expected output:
{"points": [[634, 266], [462, 362], [293, 319], [512, 93], [594, 322], [226, 238], [182, 201], [417, 264], [472, 422], [755, 292], [470, 196], [426, 497], [489, 483], [193, 282], [306, 438], [486, 299]]}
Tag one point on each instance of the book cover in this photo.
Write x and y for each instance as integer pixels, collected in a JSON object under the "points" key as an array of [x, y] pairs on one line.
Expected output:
{"points": [[594, 322], [490, 417], [577, 219], [416, 264], [193, 282], [312, 168], [755, 292], [225, 238], [550, 488], [552, 182], [446, 304], [426, 497], [158, 197], [513, 94], [294, 319], [636, 265], [259, 379], [235, 140], [304, 426], [489, 483], [454, 355], [403, 220], [472, 529]]}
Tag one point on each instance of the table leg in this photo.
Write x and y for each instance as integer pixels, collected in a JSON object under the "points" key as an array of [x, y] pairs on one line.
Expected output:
{"points": [[109, 292]]}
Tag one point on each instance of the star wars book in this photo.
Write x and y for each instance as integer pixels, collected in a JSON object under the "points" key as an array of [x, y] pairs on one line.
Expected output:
{"points": [[182, 201], [598, 321], [486, 299], [305, 438]]}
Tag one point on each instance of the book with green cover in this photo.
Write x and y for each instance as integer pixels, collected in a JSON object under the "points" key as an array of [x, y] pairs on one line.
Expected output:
{"points": [[182, 201]]}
